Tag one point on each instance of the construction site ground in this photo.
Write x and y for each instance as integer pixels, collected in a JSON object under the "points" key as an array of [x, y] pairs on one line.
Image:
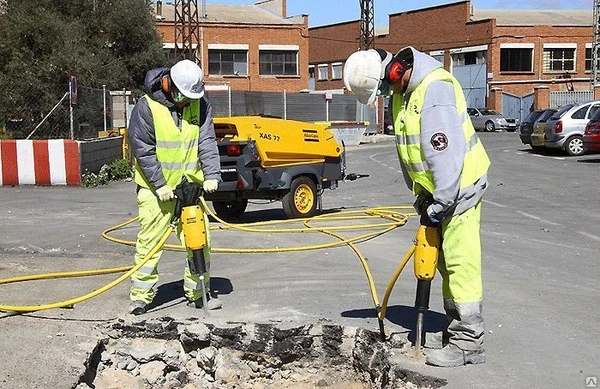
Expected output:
{"points": [[540, 237]]}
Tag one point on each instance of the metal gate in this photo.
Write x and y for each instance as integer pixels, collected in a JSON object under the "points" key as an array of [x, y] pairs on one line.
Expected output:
{"points": [[472, 78], [560, 98], [514, 106]]}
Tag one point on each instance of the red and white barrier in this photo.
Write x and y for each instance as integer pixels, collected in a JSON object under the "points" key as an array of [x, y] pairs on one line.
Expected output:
{"points": [[39, 162]]}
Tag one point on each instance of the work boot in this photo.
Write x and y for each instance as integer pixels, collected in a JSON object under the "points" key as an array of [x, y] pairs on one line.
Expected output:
{"points": [[138, 307], [451, 356], [436, 340], [212, 303]]}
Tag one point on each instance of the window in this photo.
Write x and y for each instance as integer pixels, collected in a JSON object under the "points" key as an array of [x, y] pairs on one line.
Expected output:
{"points": [[323, 72], [468, 58], [336, 71], [278, 63], [588, 58], [580, 113], [559, 59], [516, 60], [227, 62], [593, 111], [311, 77], [439, 58]]}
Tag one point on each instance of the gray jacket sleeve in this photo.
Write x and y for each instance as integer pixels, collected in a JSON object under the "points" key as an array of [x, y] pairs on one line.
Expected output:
{"points": [[142, 141], [208, 153], [443, 144]]}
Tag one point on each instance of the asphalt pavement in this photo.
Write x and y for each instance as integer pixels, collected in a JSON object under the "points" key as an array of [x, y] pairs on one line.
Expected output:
{"points": [[540, 242]]}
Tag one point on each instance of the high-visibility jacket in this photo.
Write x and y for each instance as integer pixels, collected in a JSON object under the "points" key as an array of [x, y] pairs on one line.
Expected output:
{"points": [[407, 124], [176, 148]]}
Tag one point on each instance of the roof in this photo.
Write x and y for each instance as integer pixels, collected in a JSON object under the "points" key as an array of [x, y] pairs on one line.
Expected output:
{"points": [[553, 17], [224, 13]]}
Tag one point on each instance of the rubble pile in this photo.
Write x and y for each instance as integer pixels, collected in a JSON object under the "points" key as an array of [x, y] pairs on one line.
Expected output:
{"points": [[162, 353]]}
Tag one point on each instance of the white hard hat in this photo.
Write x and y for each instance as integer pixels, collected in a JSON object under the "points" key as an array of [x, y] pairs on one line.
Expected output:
{"points": [[363, 72], [188, 78]]}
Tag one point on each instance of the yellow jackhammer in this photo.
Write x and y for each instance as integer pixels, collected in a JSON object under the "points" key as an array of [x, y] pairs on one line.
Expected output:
{"points": [[191, 217], [427, 246]]}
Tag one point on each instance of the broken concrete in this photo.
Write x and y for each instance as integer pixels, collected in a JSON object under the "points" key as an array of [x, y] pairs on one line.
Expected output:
{"points": [[163, 353]]}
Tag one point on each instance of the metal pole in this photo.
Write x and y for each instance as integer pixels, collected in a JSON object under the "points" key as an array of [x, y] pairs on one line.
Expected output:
{"points": [[71, 111], [284, 105], [104, 105], [229, 98], [326, 110], [124, 108], [48, 115]]}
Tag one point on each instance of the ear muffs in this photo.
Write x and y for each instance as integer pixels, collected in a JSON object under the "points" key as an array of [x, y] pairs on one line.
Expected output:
{"points": [[395, 71], [399, 64], [166, 85]]}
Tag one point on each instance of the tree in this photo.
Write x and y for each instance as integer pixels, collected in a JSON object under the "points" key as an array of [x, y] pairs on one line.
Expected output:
{"points": [[44, 42]]}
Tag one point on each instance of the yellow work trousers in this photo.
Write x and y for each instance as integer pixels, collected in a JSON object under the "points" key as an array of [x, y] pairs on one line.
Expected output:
{"points": [[155, 217], [462, 288]]}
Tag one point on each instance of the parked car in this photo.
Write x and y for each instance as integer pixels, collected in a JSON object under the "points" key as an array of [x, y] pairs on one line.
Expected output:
{"points": [[564, 130], [539, 129], [591, 136], [526, 128], [489, 120]]}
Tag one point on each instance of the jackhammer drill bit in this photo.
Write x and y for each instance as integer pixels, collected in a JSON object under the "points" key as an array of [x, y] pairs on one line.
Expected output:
{"points": [[422, 304], [198, 266], [427, 244]]}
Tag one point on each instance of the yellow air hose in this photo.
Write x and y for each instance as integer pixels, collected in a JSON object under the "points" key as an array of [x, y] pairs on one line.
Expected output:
{"points": [[392, 214], [130, 270]]}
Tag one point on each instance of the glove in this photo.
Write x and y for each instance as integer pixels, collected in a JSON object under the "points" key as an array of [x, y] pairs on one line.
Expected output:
{"points": [[165, 193], [210, 186], [430, 218], [422, 202]]}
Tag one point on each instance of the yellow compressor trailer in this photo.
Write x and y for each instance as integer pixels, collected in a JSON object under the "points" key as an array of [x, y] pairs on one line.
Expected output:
{"points": [[275, 159]]}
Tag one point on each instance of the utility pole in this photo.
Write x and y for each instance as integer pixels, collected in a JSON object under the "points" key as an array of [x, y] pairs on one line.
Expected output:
{"points": [[186, 30], [596, 46], [367, 24]]}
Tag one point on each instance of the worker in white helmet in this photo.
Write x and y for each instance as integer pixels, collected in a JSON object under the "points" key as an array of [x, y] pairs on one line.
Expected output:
{"points": [[172, 136], [445, 165]]}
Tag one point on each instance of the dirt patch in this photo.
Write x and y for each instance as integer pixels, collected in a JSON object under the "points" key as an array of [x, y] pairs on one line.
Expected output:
{"points": [[164, 353]]}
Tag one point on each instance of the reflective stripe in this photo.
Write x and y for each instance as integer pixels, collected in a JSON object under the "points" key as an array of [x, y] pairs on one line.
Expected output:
{"points": [[192, 285], [192, 166], [470, 188], [191, 143], [145, 285], [175, 144], [418, 167], [472, 142], [168, 144], [464, 116], [172, 165], [412, 139], [147, 270]]}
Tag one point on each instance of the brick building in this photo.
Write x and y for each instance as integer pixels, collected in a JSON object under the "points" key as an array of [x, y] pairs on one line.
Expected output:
{"points": [[248, 47], [495, 54]]}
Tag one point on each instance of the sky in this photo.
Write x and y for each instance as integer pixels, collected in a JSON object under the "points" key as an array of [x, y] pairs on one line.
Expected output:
{"points": [[323, 12]]}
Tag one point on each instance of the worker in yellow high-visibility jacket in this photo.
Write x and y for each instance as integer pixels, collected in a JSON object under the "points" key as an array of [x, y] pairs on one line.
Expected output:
{"points": [[445, 165], [172, 136]]}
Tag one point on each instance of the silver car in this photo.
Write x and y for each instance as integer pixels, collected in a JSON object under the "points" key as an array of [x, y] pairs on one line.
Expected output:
{"points": [[489, 120], [564, 130]]}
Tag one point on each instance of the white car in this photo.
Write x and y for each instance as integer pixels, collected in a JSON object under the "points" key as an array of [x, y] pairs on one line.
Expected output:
{"points": [[485, 119]]}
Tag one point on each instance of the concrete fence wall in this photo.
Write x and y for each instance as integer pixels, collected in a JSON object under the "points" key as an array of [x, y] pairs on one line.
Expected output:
{"points": [[95, 153], [54, 161]]}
